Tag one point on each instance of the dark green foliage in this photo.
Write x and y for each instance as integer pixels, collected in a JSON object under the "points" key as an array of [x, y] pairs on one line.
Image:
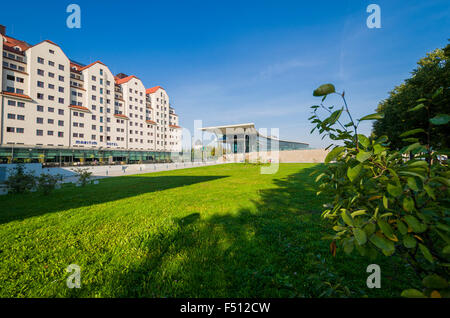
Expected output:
{"points": [[20, 181], [431, 75], [47, 182]]}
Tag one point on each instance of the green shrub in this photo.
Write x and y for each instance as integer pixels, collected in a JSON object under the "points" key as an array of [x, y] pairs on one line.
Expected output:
{"points": [[84, 175], [387, 202], [20, 181], [47, 182]]}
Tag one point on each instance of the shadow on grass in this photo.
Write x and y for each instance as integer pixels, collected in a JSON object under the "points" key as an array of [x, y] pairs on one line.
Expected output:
{"points": [[273, 250], [22, 206]]}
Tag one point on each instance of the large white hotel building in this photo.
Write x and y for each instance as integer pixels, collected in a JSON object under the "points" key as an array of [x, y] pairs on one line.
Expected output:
{"points": [[50, 102]]}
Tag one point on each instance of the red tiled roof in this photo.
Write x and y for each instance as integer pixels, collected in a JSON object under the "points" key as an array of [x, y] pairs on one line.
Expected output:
{"points": [[17, 95], [121, 116], [80, 108], [88, 66], [77, 67], [12, 42], [174, 126], [153, 89], [150, 122], [124, 80]]}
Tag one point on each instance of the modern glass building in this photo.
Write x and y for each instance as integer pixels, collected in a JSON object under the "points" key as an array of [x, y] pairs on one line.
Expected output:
{"points": [[245, 138]]}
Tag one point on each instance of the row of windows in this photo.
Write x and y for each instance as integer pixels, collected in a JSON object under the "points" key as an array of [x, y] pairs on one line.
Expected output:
{"points": [[13, 66], [50, 74], [39, 132], [13, 56], [40, 60], [50, 98], [15, 78]]}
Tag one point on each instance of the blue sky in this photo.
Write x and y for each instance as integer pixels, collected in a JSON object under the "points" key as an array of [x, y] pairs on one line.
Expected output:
{"points": [[228, 62]]}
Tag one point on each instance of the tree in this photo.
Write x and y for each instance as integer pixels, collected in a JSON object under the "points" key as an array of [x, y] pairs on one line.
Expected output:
{"points": [[432, 73]]}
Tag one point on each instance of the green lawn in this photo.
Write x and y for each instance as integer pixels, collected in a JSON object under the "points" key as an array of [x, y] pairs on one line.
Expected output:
{"points": [[218, 231]]}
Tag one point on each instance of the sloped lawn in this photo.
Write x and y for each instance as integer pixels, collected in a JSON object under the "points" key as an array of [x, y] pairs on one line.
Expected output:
{"points": [[217, 231]]}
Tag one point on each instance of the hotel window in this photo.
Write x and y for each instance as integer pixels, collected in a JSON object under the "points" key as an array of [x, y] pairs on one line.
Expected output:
{"points": [[40, 96], [20, 117], [61, 67], [11, 116], [61, 78], [19, 91], [40, 84], [75, 135], [51, 51], [39, 132], [94, 127], [40, 108], [60, 122], [51, 86], [81, 135], [50, 121], [101, 81], [50, 74], [61, 100], [51, 97], [93, 137], [101, 72], [40, 72], [60, 111], [9, 129], [19, 130], [40, 60], [93, 78], [51, 110], [39, 120], [51, 63], [50, 133], [11, 103], [60, 134], [94, 87], [10, 77], [61, 89]]}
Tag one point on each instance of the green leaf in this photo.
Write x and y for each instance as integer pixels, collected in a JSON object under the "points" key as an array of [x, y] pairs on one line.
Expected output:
{"points": [[437, 92], [348, 246], [412, 183], [412, 147], [387, 247], [377, 149], [333, 154], [324, 90], [372, 116], [412, 293], [412, 132], [352, 173], [363, 156], [363, 140], [408, 204], [347, 218], [394, 189], [429, 191], [409, 241], [358, 212], [386, 229], [360, 236], [414, 223], [434, 281], [426, 253], [446, 250], [370, 228], [385, 202], [402, 228], [420, 106], [440, 119]]}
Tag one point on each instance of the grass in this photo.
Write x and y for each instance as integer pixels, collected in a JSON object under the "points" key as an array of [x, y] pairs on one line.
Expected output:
{"points": [[217, 231]]}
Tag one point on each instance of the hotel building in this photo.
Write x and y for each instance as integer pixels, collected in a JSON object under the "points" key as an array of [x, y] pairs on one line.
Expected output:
{"points": [[54, 108]]}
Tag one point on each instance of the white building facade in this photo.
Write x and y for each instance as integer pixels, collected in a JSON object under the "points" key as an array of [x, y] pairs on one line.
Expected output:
{"points": [[49, 101]]}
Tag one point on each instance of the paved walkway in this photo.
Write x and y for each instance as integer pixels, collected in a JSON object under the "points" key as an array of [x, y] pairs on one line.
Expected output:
{"points": [[100, 172]]}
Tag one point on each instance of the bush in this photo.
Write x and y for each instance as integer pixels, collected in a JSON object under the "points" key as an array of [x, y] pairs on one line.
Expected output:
{"points": [[84, 175], [20, 181], [47, 182], [388, 202]]}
